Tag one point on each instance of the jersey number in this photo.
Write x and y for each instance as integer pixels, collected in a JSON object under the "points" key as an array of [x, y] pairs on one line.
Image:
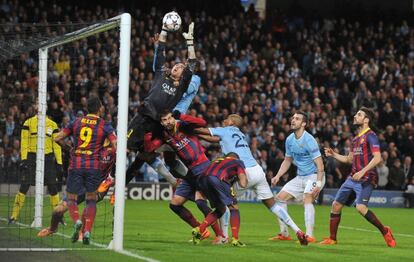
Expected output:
{"points": [[86, 136], [240, 141]]}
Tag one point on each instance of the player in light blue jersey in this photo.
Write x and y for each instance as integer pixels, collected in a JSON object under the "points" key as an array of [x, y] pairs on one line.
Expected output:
{"points": [[233, 140], [303, 151]]}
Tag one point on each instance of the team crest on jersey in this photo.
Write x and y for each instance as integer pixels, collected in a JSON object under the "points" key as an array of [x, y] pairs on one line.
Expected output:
{"points": [[169, 89]]}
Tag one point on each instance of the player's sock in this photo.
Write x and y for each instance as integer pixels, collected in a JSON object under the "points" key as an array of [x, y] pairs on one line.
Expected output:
{"points": [[185, 215], [283, 227], [334, 224], [54, 200], [163, 171], [18, 204], [90, 213], [205, 209], [309, 218], [54, 222], [73, 210], [235, 222], [210, 219], [224, 222], [284, 219], [370, 216]]}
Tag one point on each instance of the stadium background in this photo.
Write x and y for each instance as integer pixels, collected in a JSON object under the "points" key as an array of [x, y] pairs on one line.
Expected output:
{"points": [[325, 57]]}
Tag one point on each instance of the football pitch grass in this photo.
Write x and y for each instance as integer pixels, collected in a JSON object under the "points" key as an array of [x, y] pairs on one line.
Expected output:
{"points": [[153, 231]]}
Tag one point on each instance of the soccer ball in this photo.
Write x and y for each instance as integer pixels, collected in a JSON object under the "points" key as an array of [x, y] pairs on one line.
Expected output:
{"points": [[172, 21]]}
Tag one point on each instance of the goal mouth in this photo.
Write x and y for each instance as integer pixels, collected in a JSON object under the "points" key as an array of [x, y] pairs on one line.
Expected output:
{"points": [[54, 84]]}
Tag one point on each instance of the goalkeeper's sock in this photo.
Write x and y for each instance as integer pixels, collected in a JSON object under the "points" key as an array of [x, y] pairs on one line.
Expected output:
{"points": [[163, 171], [185, 215], [18, 204], [334, 224], [54, 200], [73, 210], [372, 218], [180, 168], [90, 213], [224, 222], [284, 218], [309, 218], [283, 227], [235, 223]]}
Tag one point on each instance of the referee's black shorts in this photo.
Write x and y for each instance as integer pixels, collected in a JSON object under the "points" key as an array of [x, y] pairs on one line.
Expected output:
{"points": [[28, 174]]}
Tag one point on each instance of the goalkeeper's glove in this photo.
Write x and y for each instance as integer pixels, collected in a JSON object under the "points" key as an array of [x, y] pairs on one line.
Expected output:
{"points": [[189, 36]]}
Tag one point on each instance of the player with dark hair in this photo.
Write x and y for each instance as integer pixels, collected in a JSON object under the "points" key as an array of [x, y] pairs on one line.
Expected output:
{"points": [[180, 136], [107, 164], [216, 184], [89, 133], [233, 140], [364, 156], [302, 149]]}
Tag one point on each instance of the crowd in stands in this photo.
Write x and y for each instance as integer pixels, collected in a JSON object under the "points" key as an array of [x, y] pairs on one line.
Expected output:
{"points": [[262, 69]]}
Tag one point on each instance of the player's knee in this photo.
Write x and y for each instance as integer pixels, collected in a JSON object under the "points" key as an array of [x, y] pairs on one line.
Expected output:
{"points": [[24, 188], [362, 209], [91, 196], [336, 207]]}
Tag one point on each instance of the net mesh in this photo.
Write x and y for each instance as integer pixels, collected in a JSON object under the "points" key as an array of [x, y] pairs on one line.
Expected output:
{"points": [[76, 70]]}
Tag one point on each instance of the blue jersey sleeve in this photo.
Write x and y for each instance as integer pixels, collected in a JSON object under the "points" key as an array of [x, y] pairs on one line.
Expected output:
{"points": [[218, 131], [189, 95], [313, 147]]}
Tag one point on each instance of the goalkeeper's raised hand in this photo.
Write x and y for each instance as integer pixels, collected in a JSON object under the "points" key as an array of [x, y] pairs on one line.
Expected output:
{"points": [[189, 36]]}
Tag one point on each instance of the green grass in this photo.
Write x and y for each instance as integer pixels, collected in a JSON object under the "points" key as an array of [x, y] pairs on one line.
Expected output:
{"points": [[152, 230]]}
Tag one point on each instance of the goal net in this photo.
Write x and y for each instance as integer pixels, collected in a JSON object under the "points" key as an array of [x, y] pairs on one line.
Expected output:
{"points": [[52, 69]]}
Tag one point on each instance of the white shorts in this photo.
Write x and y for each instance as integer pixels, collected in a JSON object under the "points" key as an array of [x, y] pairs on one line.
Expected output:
{"points": [[256, 181], [301, 185]]}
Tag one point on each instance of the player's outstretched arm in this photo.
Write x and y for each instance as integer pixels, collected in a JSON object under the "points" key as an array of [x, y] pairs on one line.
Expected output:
{"points": [[209, 138], [329, 152], [242, 180], [189, 38], [282, 170]]}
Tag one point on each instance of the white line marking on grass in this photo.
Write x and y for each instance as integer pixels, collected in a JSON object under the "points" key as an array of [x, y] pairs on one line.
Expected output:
{"points": [[123, 252], [374, 231]]}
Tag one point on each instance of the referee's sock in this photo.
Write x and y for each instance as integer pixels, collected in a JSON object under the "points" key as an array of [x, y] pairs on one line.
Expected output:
{"points": [[54, 200], [18, 204]]}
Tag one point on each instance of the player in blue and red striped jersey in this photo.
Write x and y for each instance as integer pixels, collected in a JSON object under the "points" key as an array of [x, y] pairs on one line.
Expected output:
{"points": [[180, 136], [107, 164], [89, 133], [364, 156], [216, 184]]}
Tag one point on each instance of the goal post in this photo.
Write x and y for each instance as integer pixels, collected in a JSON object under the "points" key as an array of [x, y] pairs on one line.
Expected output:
{"points": [[123, 22]]}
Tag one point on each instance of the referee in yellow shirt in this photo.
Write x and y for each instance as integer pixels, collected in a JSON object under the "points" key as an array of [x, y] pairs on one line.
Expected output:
{"points": [[53, 162]]}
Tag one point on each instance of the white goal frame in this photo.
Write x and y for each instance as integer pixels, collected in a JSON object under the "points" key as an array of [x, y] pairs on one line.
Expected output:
{"points": [[124, 22]]}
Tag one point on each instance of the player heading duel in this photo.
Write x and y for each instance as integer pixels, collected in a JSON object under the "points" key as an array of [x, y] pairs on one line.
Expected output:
{"points": [[364, 157]]}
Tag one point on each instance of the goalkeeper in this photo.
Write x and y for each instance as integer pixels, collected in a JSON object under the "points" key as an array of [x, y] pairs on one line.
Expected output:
{"points": [[168, 89]]}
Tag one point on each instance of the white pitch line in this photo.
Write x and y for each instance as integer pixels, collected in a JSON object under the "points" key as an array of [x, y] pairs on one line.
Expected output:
{"points": [[374, 231], [123, 252]]}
